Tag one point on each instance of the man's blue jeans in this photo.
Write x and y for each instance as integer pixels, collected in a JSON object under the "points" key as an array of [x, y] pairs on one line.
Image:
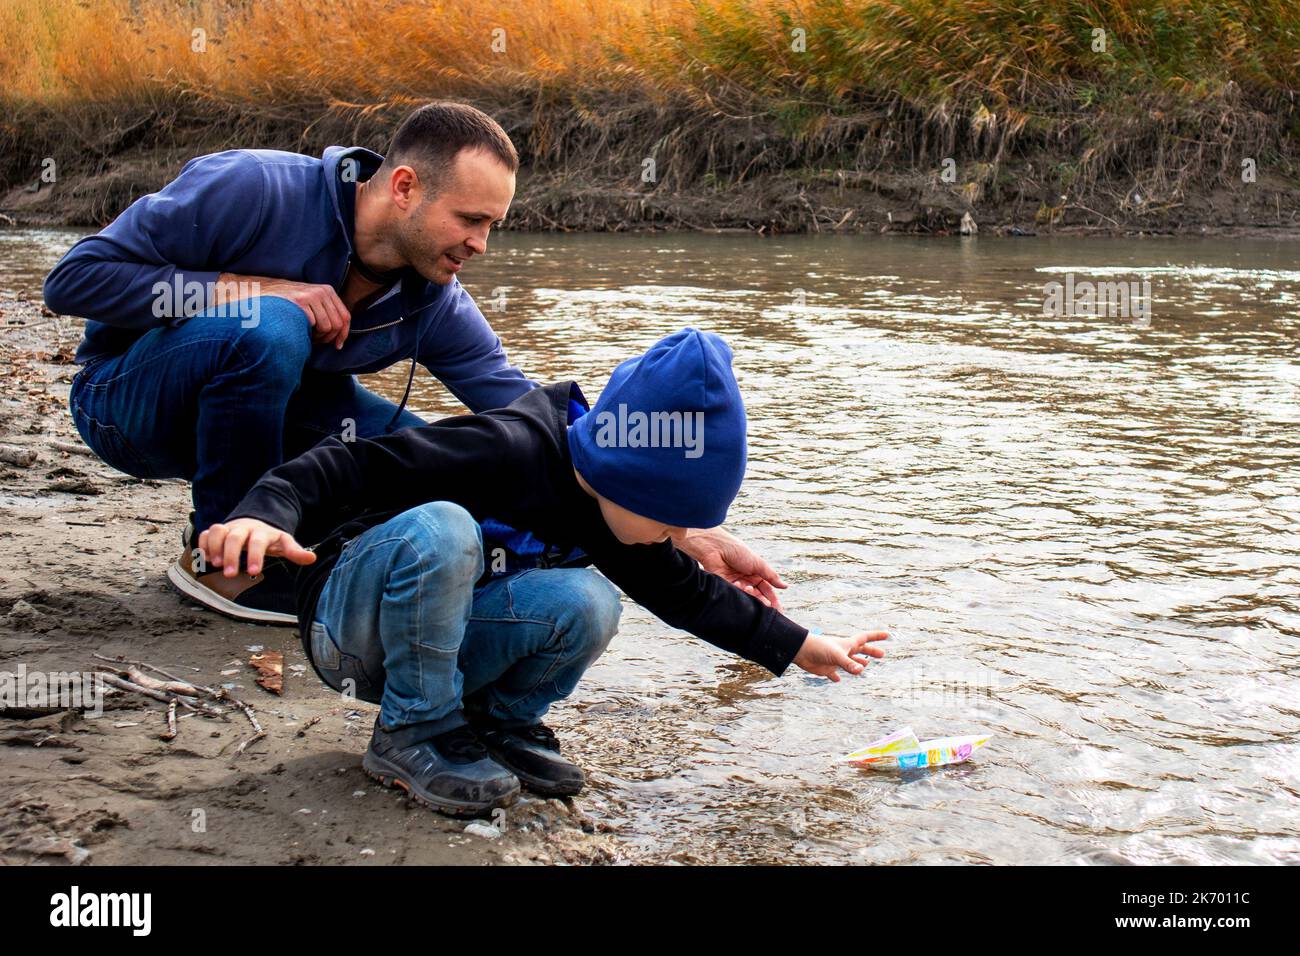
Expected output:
{"points": [[219, 404], [400, 623]]}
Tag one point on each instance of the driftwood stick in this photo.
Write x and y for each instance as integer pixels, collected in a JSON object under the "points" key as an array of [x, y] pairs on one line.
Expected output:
{"points": [[218, 694], [70, 448], [113, 680], [183, 688], [170, 733], [208, 691], [258, 732], [251, 740], [187, 702], [17, 455]]}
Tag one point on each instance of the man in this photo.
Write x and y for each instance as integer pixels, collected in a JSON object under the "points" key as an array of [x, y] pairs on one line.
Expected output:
{"points": [[230, 312]]}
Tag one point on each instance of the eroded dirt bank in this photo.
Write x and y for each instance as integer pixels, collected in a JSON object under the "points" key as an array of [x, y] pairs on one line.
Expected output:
{"points": [[1225, 167]]}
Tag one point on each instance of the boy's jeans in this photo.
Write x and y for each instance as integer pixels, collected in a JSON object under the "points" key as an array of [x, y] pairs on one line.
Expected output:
{"points": [[400, 623], [219, 404]]}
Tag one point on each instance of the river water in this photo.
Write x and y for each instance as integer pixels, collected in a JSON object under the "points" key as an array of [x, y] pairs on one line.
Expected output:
{"points": [[1081, 531]]}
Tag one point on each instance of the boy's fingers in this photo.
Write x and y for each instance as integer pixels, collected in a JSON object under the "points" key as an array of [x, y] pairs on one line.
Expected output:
{"points": [[257, 542], [216, 536], [864, 642], [230, 553], [293, 551]]}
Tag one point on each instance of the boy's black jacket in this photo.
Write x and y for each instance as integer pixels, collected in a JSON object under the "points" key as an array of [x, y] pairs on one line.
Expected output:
{"points": [[511, 464]]}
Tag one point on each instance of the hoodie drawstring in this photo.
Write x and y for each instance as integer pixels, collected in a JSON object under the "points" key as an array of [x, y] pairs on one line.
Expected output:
{"points": [[407, 394]]}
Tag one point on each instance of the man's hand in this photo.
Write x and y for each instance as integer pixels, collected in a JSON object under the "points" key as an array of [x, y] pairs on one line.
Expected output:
{"points": [[725, 555], [222, 544], [329, 317], [827, 656]]}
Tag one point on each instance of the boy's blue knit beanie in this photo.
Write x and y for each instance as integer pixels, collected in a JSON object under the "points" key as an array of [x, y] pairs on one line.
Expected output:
{"points": [[666, 439]]}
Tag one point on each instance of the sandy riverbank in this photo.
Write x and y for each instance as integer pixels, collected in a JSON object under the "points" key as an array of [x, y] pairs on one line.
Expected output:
{"points": [[84, 550]]}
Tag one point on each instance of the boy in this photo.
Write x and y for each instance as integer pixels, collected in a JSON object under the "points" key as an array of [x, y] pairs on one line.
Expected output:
{"points": [[396, 605]]}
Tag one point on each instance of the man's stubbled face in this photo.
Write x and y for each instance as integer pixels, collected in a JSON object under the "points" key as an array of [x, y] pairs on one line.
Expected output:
{"points": [[442, 231]]}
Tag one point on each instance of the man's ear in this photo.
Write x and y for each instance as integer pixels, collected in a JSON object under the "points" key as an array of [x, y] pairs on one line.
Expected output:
{"points": [[404, 188]]}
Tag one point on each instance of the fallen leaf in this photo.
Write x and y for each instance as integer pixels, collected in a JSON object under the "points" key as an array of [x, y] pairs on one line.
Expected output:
{"points": [[270, 670]]}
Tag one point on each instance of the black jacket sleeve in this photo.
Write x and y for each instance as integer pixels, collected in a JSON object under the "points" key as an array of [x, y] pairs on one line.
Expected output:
{"points": [[672, 586], [461, 459]]}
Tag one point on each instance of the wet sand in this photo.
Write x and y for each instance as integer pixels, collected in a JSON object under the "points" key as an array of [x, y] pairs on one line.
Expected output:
{"points": [[84, 551]]}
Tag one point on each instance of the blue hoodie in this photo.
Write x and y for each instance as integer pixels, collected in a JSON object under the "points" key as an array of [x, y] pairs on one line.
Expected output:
{"points": [[263, 212]]}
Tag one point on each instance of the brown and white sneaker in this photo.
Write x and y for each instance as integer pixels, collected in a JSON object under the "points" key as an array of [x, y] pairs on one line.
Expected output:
{"points": [[265, 598]]}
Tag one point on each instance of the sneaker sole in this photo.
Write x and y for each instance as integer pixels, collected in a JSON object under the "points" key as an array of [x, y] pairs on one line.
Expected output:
{"points": [[183, 582], [380, 770]]}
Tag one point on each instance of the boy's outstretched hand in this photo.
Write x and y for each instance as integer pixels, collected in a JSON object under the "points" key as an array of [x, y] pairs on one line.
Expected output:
{"points": [[222, 543], [827, 656]]}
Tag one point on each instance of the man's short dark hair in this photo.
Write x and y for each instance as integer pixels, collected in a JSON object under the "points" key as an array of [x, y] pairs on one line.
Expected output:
{"points": [[432, 136]]}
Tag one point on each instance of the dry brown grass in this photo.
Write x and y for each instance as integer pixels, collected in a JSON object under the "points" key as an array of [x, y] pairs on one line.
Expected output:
{"points": [[381, 50], [714, 89]]}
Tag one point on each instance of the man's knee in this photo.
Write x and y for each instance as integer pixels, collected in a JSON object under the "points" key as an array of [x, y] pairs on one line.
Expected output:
{"points": [[274, 334]]}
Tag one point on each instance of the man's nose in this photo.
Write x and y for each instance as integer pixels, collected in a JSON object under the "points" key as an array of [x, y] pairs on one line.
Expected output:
{"points": [[477, 244]]}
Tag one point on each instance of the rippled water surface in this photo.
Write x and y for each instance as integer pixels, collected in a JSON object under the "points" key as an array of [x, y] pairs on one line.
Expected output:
{"points": [[1081, 531]]}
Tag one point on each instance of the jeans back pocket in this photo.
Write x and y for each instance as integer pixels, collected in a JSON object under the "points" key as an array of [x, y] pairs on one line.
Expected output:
{"points": [[341, 671], [110, 445]]}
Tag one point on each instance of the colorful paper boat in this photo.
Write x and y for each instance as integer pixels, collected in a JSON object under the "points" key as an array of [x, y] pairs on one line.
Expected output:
{"points": [[902, 751]]}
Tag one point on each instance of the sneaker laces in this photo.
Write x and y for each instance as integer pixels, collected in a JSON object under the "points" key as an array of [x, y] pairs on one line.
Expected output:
{"points": [[540, 734], [461, 743]]}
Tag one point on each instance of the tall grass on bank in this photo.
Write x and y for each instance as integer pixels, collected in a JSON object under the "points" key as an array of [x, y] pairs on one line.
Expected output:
{"points": [[730, 87], [926, 50]]}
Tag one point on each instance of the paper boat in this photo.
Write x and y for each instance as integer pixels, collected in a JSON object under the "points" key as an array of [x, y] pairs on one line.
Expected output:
{"points": [[902, 751]]}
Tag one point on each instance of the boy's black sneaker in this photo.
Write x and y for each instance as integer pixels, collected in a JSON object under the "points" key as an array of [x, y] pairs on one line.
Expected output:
{"points": [[533, 754], [450, 772], [265, 598]]}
